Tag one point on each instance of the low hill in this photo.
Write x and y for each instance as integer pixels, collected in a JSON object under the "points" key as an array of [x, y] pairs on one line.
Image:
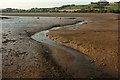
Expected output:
{"points": [[90, 8]]}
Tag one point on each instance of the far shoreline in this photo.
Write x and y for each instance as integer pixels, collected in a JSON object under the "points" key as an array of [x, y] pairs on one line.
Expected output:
{"points": [[56, 14]]}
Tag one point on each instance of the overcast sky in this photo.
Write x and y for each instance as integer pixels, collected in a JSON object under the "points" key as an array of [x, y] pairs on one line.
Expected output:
{"points": [[26, 4]]}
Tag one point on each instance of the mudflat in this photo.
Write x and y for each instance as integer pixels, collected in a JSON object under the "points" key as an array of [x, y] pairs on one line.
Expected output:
{"points": [[26, 58], [98, 38]]}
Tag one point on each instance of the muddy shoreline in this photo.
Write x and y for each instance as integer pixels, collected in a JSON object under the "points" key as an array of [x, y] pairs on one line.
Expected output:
{"points": [[20, 52], [30, 32], [65, 56], [68, 39]]}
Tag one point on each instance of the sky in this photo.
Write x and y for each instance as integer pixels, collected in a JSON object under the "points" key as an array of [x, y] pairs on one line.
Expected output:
{"points": [[27, 4]]}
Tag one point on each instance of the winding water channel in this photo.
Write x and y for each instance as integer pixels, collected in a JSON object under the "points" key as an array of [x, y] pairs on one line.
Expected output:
{"points": [[80, 66]]}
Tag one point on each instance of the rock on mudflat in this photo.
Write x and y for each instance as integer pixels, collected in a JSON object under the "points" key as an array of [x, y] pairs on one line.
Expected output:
{"points": [[85, 23], [92, 61], [104, 64], [4, 18], [38, 18], [7, 40]]}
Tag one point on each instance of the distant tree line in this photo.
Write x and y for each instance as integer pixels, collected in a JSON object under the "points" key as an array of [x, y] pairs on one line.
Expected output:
{"points": [[87, 9], [97, 11], [64, 6], [29, 10]]}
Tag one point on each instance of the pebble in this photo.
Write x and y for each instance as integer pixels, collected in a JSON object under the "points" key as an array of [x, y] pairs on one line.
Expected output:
{"points": [[11, 63], [92, 61], [85, 23], [94, 48], [4, 36], [47, 35], [47, 51], [104, 64]]}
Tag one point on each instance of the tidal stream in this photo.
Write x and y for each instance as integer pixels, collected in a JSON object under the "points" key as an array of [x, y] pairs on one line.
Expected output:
{"points": [[79, 65]]}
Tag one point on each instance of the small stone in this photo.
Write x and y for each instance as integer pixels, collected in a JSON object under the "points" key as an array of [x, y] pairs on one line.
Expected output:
{"points": [[79, 44], [85, 23], [4, 36], [94, 48], [11, 63], [46, 51], [104, 65], [47, 35], [83, 45], [103, 49], [5, 41], [9, 50], [66, 42], [13, 43], [21, 38], [92, 61], [24, 74]]}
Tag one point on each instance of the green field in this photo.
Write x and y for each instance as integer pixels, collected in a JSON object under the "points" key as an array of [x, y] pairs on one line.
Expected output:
{"points": [[90, 8]]}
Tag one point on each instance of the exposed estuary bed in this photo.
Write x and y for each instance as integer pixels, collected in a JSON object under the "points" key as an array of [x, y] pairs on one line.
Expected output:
{"points": [[21, 54], [79, 65]]}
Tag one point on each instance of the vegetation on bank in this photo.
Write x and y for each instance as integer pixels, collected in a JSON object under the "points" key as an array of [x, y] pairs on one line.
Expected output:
{"points": [[90, 8]]}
